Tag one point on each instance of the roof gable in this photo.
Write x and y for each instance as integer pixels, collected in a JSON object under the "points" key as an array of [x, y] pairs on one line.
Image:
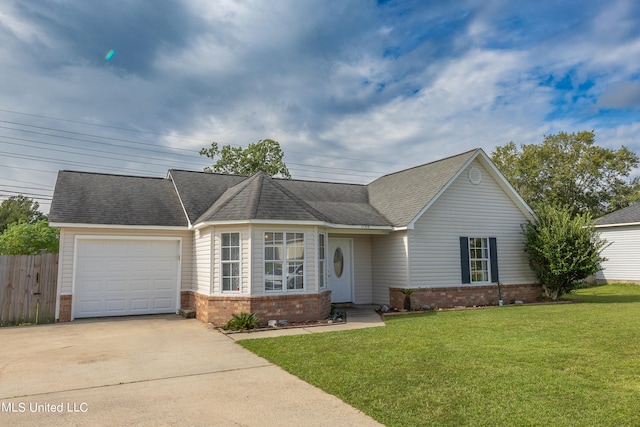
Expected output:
{"points": [[401, 196], [260, 197]]}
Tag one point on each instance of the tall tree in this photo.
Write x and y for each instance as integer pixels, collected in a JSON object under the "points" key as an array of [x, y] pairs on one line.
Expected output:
{"points": [[570, 170], [19, 208], [264, 155]]}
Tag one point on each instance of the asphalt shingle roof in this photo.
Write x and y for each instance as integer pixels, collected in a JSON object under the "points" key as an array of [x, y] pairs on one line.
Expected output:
{"points": [[628, 215], [401, 196], [392, 200], [91, 198]]}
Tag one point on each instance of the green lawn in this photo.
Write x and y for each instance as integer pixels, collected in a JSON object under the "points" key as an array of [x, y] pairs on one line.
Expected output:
{"points": [[549, 365]]}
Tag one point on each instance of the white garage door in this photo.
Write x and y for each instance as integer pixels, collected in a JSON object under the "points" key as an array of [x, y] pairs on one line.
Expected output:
{"points": [[120, 277]]}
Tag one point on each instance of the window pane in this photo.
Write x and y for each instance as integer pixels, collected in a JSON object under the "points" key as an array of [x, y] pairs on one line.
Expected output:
{"points": [[234, 254], [225, 254], [225, 239], [235, 239]]}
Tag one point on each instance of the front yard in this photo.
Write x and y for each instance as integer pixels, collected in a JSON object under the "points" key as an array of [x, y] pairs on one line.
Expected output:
{"points": [[563, 365]]}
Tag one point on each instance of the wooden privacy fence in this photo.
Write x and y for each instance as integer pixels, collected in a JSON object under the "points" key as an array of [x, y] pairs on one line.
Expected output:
{"points": [[28, 288]]}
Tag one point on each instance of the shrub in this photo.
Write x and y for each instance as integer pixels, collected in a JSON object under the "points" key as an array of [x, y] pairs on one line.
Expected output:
{"points": [[242, 321], [563, 250]]}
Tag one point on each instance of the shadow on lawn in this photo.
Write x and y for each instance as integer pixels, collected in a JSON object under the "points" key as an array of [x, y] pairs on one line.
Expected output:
{"points": [[605, 299]]}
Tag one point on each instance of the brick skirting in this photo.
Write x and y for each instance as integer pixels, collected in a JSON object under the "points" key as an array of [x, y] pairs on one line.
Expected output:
{"points": [[467, 296], [65, 308], [295, 308]]}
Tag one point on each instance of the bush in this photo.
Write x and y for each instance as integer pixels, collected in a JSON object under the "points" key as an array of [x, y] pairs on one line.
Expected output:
{"points": [[563, 250], [242, 321], [22, 238]]}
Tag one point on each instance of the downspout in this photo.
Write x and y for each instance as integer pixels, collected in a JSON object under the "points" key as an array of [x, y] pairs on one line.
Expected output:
{"points": [[500, 302]]}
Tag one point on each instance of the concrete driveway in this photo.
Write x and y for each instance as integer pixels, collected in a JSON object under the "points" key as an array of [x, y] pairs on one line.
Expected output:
{"points": [[151, 370]]}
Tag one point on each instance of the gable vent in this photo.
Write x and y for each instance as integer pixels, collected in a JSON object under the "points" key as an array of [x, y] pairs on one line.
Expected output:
{"points": [[475, 176]]}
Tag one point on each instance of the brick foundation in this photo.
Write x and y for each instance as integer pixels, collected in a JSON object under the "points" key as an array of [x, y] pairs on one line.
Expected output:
{"points": [[65, 308], [295, 308], [467, 296]]}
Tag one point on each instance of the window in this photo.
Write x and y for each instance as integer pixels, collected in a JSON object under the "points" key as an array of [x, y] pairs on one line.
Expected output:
{"points": [[283, 261], [230, 259], [479, 259], [322, 259]]}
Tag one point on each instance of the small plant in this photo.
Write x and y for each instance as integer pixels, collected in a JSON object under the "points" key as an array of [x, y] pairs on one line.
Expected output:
{"points": [[242, 321], [407, 298]]}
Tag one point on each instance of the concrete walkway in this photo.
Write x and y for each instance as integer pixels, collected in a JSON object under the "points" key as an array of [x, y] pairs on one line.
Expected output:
{"points": [[152, 371], [358, 317]]}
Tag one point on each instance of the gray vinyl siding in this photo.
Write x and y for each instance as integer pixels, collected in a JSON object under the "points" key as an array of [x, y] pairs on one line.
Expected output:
{"points": [[202, 260], [623, 254], [67, 247], [389, 264], [466, 209]]}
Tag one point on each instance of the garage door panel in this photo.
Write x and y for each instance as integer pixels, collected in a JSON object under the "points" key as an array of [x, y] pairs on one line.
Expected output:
{"points": [[138, 304], [162, 303], [116, 277]]}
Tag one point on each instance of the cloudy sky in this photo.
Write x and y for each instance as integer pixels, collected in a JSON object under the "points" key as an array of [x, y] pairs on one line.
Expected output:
{"points": [[352, 89]]}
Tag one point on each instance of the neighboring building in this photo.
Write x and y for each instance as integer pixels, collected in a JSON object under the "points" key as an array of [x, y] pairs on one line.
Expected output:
{"points": [[287, 249], [621, 229]]}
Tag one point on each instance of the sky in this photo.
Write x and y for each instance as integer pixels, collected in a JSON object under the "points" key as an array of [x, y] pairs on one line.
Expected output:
{"points": [[351, 89]]}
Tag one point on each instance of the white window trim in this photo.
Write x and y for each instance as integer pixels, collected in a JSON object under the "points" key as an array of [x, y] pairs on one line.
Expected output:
{"points": [[488, 260], [239, 261], [285, 263], [322, 271]]}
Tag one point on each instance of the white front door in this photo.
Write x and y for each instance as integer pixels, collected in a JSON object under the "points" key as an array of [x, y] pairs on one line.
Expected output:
{"points": [[340, 270]]}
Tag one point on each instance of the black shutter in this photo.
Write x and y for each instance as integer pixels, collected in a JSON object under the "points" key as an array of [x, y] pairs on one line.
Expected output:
{"points": [[465, 268], [493, 255]]}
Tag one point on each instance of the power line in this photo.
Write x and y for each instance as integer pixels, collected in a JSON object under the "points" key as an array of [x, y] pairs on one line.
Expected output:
{"points": [[105, 126], [168, 135]]}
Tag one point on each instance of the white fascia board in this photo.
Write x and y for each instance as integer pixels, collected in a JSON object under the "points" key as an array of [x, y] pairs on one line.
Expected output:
{"points": [[179, 198], [444, 188], [506, 185], [345, 227], [495, 173], [113, 226], [625, 224]]}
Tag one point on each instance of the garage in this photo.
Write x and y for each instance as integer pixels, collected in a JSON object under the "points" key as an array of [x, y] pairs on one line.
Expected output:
{"points": [[125, 276]]}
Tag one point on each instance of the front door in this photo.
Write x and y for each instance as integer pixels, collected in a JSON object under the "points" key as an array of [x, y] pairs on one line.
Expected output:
{"points": [[340, 270]]}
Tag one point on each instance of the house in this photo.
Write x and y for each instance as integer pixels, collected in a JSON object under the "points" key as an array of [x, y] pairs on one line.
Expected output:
{"points": [[621, 229], [288, 249]]}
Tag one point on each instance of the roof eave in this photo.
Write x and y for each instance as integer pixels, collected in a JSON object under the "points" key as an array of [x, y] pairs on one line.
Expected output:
{"points": [[364, 228], [622, 224], [119, 226]]}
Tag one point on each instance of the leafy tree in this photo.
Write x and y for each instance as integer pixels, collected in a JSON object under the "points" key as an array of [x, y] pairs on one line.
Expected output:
{"points": [[19, 208], [564, 249], [264, 155], [27, 239], [570, 170]]}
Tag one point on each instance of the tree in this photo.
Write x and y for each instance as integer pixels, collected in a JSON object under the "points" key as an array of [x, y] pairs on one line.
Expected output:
{"points": [[19, 208], [264, 155], [564, 249], [28, 239], [570, 170]]}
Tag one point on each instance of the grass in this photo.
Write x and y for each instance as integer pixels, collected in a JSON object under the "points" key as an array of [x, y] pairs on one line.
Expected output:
{"points": [[561, 365]]}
